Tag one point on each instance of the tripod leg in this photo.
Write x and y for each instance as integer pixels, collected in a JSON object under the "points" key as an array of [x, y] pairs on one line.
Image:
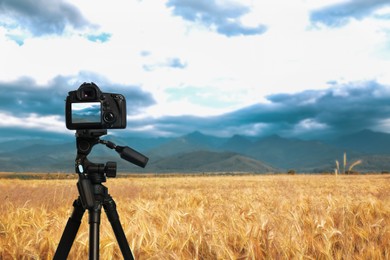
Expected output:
{"points": [[113, 216], [71, 228], [94, 227]]}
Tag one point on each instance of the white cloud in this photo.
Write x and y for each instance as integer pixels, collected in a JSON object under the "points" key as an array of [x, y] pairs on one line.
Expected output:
{"points": [[291, 56], [183, 107], [308, 125], [34, 121]]}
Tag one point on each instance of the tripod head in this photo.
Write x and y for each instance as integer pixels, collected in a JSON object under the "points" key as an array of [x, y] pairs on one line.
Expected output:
{"points": [[86, 139], [96, 173]]}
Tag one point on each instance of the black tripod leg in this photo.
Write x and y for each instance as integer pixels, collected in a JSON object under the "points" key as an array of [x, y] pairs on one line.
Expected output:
{"points": [[113, 216], [94, 227], [71, 228]]}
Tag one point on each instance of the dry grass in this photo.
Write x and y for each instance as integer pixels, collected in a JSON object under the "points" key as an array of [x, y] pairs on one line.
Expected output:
{"points": [[220, 217]]}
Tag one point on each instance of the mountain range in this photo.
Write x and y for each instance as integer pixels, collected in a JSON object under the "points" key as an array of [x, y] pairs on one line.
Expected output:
{"points": [[197, 152]]}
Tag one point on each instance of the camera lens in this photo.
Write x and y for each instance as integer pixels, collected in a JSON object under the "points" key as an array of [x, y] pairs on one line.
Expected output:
{"points": [[109, 117]]}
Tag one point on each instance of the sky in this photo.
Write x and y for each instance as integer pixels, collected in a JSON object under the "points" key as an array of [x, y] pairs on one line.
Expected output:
{"points": [[297, 68]]}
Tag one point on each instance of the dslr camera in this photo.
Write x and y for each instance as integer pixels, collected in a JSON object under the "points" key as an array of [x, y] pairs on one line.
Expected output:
{"points": [[89, 108]]}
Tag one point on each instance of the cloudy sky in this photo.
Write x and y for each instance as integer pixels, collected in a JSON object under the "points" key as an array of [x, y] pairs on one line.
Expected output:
{"points": [[302, 68]]}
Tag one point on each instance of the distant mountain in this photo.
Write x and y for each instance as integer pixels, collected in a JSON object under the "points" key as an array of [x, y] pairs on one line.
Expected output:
{"points": [[197, 152], [13, 145], [365, 141], [50, 157], [188, 143], [237, 143], [373, 163], [294, 153], [207, 161]]}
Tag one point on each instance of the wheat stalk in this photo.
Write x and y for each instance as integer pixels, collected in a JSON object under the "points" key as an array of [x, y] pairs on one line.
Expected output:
{"points": [[344, 162], [354, 164]]}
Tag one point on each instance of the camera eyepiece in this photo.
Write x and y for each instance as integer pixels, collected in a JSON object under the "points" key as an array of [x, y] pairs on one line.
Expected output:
{"points": [[88, 91]]}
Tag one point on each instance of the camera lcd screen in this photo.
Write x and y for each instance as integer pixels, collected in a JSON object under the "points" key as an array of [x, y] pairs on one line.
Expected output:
{"points": [[88, 112]]}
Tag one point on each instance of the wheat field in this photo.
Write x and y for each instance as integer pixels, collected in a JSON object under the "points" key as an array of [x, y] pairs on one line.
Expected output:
{"points": [[208, 217]]}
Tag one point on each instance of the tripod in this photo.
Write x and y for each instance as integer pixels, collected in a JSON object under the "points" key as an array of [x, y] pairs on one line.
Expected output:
{"points": [[93, 195]]}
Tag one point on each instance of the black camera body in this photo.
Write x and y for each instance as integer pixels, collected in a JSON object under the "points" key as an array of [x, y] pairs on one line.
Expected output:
{"points": [[89, 108]]}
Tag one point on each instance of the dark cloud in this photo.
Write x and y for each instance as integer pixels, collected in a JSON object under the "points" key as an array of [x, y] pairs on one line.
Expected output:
{"points": [[24, 96], [340, 14], [310, 114], [42, 17], [225, 18], [337, 110]]}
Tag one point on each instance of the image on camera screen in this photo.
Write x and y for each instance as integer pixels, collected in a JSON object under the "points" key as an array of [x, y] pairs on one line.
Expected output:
{"points": [[89, 112]]}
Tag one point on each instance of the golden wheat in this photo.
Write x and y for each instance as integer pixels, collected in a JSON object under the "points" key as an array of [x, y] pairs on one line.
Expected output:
{"points": [[218, 217]]}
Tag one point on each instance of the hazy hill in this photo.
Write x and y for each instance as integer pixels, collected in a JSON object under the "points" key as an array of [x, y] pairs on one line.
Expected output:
{"points": [[366, 141], [13, 145], [207, 161], [237, 143], [197, 152], [50, 157], [188, 143], [293, 153]]}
